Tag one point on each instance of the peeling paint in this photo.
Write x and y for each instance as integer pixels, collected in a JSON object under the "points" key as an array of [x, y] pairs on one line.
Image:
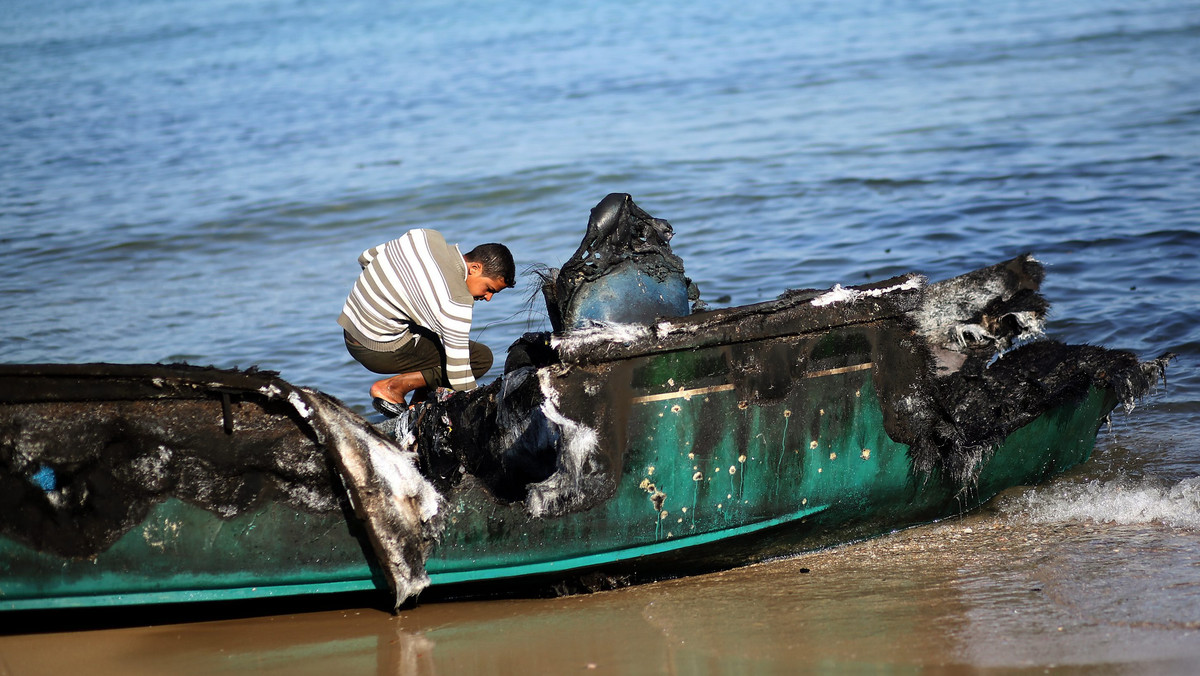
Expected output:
{"points": [[659, 498]]}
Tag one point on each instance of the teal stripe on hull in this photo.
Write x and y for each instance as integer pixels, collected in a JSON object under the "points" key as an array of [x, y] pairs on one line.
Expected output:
{"points": [[620, 555], [189, 595]]}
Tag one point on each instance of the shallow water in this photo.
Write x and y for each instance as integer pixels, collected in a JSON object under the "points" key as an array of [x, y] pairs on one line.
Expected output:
{"points": [[983, 592], [193, 182]]}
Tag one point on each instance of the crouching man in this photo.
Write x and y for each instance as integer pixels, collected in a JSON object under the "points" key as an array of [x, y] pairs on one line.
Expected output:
{"points": [[409, 313]]}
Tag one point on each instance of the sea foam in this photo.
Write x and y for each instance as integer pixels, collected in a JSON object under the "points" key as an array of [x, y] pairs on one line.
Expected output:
{"points": [[1118, 501]]}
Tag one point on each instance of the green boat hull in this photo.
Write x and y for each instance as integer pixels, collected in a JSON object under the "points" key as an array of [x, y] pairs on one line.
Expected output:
{"points": [[811, 468]]}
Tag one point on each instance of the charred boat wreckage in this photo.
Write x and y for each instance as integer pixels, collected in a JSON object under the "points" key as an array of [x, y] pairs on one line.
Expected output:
{"points": [[644, 436]]}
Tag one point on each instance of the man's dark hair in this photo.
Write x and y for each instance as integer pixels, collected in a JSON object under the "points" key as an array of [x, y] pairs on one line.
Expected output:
{"points": [[497, 262]]}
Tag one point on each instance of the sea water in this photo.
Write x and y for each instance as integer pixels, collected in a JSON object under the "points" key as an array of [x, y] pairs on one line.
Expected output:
{"points": [[186, 181]]}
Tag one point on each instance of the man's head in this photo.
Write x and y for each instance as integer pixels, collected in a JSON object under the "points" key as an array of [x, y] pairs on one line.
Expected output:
{"points": [[490, 270]]}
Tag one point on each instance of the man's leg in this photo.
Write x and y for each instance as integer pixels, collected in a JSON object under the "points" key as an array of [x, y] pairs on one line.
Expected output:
{"points": [[420, 363], [420, 382], [417, 363], [481, 359]]}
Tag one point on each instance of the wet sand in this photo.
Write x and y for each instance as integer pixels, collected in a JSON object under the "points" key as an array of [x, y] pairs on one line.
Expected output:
{"points": [[979, 593]]}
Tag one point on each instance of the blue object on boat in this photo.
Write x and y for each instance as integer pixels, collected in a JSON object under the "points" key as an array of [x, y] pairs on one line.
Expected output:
{"points": [[623, 272], [628, 295]]}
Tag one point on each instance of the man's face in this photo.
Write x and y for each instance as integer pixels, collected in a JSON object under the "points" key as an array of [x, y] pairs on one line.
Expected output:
{"points": [[482, 288]]}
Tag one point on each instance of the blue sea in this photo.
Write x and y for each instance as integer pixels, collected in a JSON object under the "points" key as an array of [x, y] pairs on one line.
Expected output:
{"points": [[193, 181]]}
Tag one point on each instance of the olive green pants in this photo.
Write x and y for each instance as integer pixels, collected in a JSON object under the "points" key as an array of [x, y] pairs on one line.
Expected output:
{"points": [[423, 354]]}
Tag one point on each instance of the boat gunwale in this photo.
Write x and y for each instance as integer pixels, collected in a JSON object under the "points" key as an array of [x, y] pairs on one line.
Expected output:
{"points": [[126, 382], [779, 318]]}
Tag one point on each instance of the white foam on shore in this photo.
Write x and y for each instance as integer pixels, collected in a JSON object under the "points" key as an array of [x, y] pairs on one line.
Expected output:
{"points": [[1121, 501]]}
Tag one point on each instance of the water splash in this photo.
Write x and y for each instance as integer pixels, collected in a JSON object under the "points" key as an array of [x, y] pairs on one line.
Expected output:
{"points": [[1120, 501]]}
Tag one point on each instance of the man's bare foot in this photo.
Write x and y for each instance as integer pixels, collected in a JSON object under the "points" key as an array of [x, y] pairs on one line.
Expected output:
{"points": [[394, 389]]}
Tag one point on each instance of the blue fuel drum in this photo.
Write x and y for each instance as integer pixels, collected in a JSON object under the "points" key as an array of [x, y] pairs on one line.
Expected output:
{"points": [[628, 295]]}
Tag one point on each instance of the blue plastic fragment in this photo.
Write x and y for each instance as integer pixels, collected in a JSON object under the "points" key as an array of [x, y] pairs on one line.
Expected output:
{"points": [[45, 479]]}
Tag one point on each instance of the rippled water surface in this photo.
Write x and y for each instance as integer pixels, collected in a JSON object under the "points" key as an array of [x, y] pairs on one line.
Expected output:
{"points": [[193, 182]]}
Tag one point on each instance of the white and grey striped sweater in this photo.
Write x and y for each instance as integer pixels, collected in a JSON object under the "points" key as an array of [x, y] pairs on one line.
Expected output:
{"points": [[416, 279]]}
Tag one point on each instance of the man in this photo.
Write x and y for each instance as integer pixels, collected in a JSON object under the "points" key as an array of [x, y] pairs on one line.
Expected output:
{"points": [[409, 313]]}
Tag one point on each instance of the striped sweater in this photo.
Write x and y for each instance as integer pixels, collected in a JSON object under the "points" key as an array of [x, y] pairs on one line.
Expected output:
{"points": [[416, 279]]}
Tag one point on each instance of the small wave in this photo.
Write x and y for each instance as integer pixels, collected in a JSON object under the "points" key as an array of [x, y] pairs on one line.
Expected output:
{"points": [[1119, 501], [880, 183]]}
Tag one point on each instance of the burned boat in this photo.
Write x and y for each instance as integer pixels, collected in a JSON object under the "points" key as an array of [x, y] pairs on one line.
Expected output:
{"points": [[643, 437]]}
